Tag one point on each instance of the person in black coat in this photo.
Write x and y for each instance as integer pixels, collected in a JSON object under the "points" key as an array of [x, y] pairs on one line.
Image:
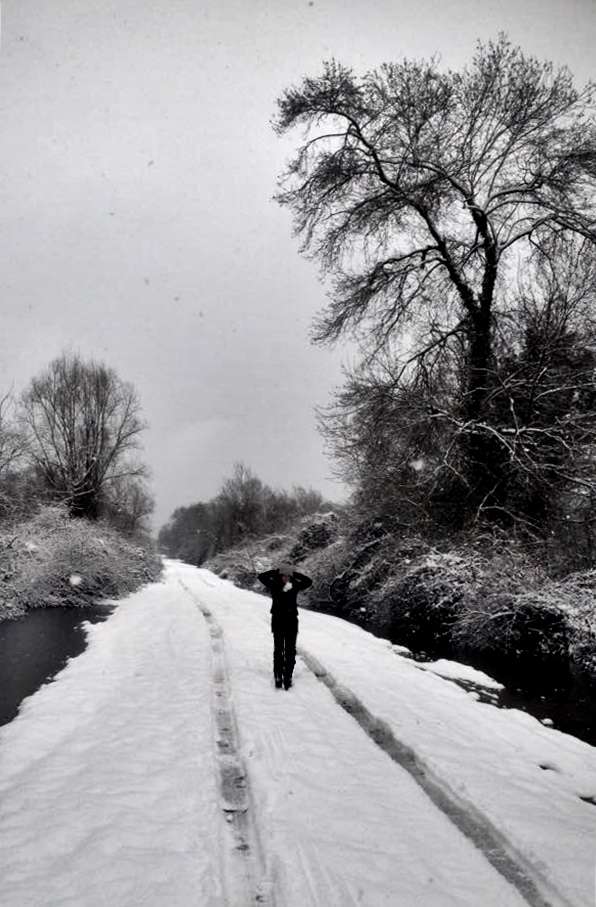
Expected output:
{"points": [[284, 583]]}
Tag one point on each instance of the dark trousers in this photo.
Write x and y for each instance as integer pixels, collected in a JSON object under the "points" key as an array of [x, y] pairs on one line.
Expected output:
{"points": [[285, 632]]}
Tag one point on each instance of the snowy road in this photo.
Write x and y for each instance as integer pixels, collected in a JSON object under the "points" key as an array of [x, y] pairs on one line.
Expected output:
{"points": [[163, 768]]}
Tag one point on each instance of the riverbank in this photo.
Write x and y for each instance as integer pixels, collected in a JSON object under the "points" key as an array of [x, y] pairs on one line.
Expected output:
{"points": [[34, 648], [111, 777], [53, 560], [482, 602]]}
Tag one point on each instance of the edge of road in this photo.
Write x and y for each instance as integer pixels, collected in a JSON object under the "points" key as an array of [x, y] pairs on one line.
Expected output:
{"points": [[529, 881], [524, 875]]}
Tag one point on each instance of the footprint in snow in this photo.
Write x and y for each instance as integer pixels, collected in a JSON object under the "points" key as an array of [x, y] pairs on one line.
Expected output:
{"points": [[549, 767]]}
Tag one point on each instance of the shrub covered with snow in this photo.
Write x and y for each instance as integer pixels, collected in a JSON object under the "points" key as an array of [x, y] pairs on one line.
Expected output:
{"points": [[242, 563], [482, 599], [349, 574], [52, 559], [420, 603], [575, 598], [525, 634], [314, 532]]}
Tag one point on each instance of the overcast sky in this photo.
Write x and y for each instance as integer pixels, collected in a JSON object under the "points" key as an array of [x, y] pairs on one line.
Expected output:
{"points": [[137, 168]]}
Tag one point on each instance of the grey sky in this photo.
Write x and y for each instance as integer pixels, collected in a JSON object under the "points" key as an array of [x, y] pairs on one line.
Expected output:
{"points": [[137, 166]]}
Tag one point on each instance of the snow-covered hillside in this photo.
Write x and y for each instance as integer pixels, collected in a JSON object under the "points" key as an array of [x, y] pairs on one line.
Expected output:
{"points": [[162, 767]]}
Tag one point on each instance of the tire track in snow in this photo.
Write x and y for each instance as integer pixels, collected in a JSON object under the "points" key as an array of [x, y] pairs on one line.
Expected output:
{"points": [[469, 820], [245, 877]]}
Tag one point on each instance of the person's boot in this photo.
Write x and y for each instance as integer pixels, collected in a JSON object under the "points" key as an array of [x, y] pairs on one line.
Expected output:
{"points": [[277, 682], [287, 683]]}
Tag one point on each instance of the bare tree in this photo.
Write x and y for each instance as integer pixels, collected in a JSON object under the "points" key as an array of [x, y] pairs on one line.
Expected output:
{"points": [[240, 506], [421, 192], [12, 446], [11, 439], [127, 504], [82, 424], [244, 509], [399, 438]]}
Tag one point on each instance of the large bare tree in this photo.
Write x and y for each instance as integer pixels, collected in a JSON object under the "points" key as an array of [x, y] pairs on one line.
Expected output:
{"points": [[83, 425], [397, 438], [422, 193], [11, 439], [12, 447], [127, 504]]}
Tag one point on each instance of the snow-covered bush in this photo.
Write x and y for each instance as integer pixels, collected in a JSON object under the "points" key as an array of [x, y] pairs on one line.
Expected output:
{"points": [[316, 532], [576, 598], [420, 603], [325, 566], [52, 559], [482, 599], [526, 635], [242, 563], [349, 574]]}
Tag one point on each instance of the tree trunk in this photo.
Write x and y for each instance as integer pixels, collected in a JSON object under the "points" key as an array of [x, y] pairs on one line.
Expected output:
{"points": [[479, 360], [486, 458], [84, 503]]}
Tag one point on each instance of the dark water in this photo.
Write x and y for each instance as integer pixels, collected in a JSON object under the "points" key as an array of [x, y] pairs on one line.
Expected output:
{"points": [[572, 713], [35, 647], [575, 715]]}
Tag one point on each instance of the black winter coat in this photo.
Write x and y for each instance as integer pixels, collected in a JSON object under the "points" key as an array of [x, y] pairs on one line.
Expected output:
{"points": [[284, 605]]}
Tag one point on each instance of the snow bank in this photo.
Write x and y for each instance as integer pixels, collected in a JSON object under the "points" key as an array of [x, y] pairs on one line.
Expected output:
{"points": [[107, 788], [532, 782]]}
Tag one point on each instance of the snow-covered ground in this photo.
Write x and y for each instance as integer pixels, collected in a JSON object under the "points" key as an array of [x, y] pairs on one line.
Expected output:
{"points": [[162, 768]]}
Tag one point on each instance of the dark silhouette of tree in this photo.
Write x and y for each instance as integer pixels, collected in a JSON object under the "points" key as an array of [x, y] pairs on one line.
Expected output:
{"points": [[82, 425], [397, 438], [239, 505], [127, 504], [244, 508], [12, 448], [421, 192], [12, 442]]}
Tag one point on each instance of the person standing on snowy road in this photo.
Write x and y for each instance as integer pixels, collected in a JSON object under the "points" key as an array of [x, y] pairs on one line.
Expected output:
{"points": [[284, 583]]}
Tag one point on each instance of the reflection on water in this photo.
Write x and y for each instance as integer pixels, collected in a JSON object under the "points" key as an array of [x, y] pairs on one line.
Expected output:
{"points": [[34, 648], [576, 715], [566, 710]]}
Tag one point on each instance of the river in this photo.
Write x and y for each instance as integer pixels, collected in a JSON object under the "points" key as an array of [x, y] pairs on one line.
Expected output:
{"points": [[567, 710], [35, 647]]}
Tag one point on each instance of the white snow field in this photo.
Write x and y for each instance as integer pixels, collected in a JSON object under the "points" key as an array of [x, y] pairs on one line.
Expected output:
{"points": [[161, 767]]}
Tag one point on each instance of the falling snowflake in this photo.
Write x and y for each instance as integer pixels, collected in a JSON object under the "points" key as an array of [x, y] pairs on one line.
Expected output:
{"points": [[75, 580], [418, 465]]}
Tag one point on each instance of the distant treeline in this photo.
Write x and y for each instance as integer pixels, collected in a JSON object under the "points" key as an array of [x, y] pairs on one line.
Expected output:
{"points": [[244, 508]]}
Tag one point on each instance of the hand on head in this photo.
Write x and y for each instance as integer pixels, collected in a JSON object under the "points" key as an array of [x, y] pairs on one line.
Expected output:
{"points": [[286, 570]]}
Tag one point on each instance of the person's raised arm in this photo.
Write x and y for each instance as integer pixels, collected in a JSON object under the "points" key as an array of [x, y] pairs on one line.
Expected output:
{"points": [[301, 581], [268, 578]]}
